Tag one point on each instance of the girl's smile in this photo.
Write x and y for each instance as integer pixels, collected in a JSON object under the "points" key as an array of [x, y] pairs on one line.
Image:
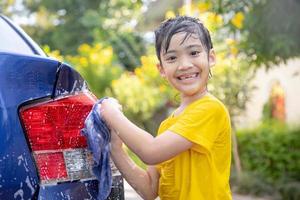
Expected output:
{"points": [[188, 76]]}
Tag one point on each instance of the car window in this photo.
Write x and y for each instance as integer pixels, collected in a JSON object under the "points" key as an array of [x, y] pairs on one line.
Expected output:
{"points": [[11, 41]]}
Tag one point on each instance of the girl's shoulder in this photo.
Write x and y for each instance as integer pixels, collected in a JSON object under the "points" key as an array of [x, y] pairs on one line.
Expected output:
{"points": [[208, 103]]}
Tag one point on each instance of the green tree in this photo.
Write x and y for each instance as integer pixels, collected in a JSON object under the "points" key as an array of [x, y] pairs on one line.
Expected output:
{"points": [[65, 25], [144, 94], [96, 63], [270, 31]]}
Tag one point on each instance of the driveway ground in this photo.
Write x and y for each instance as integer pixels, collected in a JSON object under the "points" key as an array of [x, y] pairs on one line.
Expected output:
{"points": [[130, 194]]}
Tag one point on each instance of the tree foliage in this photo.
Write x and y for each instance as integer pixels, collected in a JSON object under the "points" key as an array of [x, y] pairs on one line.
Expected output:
{"points": [[276, 152], [65, 25], [96, 63], [269, 29], [144, 94], [272, 30]]}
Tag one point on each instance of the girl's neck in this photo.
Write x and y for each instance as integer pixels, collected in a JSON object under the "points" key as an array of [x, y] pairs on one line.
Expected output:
{"points": [[186, 100]]}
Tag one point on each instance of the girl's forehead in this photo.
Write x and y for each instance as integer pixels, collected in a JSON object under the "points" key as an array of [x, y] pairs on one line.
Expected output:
{"points": [[185, 38], [179, 41]]}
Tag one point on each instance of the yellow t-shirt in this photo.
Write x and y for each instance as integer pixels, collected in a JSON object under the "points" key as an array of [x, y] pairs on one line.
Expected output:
{"points": [[202, 172]]}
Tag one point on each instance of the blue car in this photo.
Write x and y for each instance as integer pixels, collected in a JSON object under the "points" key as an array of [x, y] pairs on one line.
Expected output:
{"points": [[43, 106]]}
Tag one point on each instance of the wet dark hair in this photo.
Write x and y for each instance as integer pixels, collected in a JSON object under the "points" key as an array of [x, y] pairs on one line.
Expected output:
{"points": [[188, 25]]}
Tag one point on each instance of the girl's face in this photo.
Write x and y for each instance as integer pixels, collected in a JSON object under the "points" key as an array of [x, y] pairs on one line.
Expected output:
{"points": [[186, 64]]}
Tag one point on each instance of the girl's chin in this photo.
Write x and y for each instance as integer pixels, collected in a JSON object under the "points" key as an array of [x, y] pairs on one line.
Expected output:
{"points": [[193, 92], [189, 93]]}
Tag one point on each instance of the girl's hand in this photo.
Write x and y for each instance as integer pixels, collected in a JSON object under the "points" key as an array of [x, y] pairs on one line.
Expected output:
{"points": [[109, 109]]}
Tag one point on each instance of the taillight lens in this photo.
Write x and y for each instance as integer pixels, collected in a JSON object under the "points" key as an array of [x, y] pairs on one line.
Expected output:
{"points": [[53, 130]]}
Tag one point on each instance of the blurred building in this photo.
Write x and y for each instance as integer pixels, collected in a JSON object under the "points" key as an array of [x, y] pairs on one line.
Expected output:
{"points": [[288, 77]]}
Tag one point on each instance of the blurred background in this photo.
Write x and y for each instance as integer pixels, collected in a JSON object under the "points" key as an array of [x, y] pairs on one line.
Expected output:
{"points": [[257, 76]]}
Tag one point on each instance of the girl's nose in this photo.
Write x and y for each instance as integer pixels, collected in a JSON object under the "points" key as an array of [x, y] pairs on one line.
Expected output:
{"points": [[184, 63]]}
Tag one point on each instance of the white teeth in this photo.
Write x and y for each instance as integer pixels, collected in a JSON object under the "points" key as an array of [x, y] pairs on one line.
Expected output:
{"points": [[187, 76]]}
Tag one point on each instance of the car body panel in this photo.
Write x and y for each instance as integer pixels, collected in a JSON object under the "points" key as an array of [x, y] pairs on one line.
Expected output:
{"points": [[22, 78], [69, 190], [68, 81]]}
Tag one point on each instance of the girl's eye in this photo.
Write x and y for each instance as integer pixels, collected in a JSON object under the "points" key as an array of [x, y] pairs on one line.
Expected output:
{"points": [[195, 53], [171, 58]]}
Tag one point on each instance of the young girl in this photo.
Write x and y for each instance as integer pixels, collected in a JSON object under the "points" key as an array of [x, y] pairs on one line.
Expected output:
{"points": [[190, 157]]}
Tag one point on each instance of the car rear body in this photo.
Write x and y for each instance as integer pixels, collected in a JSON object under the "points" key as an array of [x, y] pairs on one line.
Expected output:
{"points": [[43, 104]]}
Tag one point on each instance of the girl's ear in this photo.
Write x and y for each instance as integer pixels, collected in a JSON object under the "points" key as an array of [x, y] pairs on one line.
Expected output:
{"points": [[161, 70], [212, 58]]}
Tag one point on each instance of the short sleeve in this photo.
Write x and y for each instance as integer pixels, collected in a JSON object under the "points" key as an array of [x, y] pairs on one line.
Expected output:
{"points": [[201, 124]]}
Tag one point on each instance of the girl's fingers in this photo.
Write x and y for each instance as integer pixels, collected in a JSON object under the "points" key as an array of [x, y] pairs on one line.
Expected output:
{"points": [[116, 103]]}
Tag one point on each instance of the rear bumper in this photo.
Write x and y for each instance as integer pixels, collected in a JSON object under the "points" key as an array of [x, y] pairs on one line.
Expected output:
{"points": [[81, 190]]}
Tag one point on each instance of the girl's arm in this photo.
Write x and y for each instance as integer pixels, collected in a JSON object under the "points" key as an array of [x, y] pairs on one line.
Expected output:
{"points": [[150, 150], [144, 182]]}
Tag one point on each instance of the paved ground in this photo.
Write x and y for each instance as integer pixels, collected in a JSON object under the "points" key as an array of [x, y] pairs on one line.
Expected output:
{"points": [[130, 194]]}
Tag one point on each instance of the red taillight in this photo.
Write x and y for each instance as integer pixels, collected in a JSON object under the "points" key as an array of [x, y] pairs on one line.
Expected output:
{"points": [[51, 166], [53, 130]]}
